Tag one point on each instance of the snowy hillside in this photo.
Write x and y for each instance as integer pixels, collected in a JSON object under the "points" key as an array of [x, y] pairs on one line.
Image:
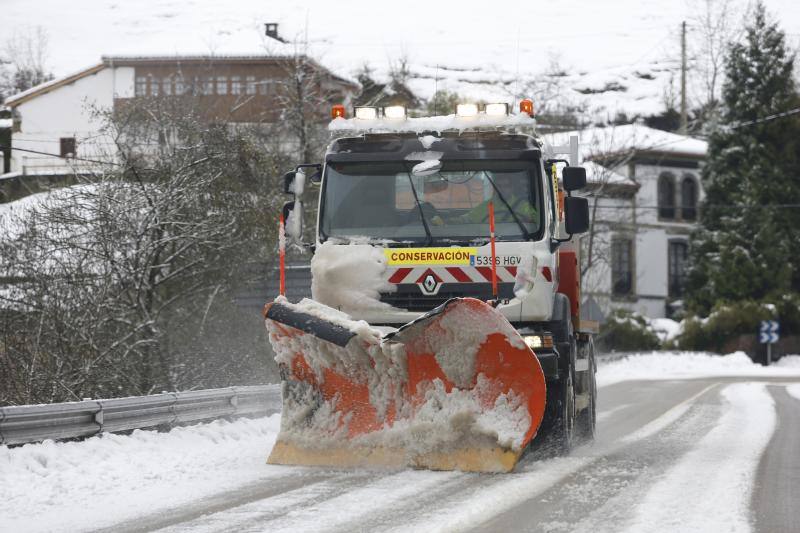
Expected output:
{"points": [[612, 56]]}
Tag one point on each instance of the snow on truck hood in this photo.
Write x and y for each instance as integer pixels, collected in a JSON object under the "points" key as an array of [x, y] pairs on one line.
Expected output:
{"points": [[350, 276]]}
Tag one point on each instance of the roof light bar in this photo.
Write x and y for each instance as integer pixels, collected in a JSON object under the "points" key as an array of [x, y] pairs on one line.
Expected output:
{"points": [[366, 113], [337, 111], [496, 109], [394, 112], [467, 110]]}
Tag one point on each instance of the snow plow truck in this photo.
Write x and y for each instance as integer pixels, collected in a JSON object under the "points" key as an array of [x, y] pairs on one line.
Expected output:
{"points": [[444, 330]]}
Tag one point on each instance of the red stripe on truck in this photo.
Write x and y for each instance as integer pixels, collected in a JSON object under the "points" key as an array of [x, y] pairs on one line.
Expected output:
{"points": [[459, 274], [399, 275], [486, 272]]}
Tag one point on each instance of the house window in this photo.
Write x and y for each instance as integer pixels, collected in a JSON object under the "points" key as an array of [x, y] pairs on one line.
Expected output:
{"points": [[621, 267], [167, 85], [180, 87], [222, 85], [264, 87], [236, 85], [677, 257], [141, 86], [67, 147], [154, 85], [689, 197], [666, 196], [251, 85]]}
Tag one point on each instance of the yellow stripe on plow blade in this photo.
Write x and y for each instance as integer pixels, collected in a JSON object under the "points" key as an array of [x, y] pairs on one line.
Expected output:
{"points": [[494, 459]]}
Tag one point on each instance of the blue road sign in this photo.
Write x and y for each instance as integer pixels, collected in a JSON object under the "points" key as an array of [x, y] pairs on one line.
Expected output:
{"points": [[769, 332]]}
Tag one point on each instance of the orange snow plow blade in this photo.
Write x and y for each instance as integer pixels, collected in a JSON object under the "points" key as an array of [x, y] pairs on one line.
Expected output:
{"points": [[457, 389]]}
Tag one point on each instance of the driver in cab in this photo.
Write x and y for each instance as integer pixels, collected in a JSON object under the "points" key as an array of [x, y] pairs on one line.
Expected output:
{"points": [[510, 191]]}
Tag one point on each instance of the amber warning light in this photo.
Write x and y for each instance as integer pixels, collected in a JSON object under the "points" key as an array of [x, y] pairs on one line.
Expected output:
{"points": [[526, 106], [337, 111]]}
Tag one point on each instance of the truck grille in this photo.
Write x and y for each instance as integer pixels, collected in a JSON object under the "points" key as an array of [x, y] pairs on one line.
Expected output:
{"points": [[410, 298]]}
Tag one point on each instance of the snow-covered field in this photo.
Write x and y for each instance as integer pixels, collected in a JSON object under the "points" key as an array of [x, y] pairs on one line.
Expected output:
{"points": [[106, 480], [616, 55]]}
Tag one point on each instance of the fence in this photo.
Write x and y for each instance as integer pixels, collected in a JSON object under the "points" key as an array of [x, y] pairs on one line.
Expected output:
{"points": [[32, 423]]}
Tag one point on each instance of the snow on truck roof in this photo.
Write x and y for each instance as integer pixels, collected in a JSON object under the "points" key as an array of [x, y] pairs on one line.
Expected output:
{"points": [[430, 124]]}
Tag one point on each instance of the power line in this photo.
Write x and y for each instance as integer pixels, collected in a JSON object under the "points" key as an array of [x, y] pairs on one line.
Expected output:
{"points": [[61, 156], [764, 119]]}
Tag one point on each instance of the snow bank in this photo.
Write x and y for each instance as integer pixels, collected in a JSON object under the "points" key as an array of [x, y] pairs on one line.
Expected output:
{"points": [[788, 361], [101, 481], [665, 329], [350, 278], [793, 390], [686, 365]]}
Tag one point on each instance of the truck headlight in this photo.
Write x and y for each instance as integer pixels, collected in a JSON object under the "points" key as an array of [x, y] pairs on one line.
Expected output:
{"points": [[536, 342]]}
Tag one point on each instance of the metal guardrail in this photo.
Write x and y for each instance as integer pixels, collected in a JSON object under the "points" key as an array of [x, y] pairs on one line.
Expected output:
{"points": [[32, 423]]}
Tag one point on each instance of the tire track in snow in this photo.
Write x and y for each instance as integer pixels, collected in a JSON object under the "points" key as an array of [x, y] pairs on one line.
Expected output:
{"points": [[597, 497], [361, 509], [710, 488], [262, 507], [493, 494]]}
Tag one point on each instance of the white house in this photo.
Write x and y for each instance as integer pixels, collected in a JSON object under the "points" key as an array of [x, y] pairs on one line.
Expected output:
{"points": [[644, 194], [55, 130]]}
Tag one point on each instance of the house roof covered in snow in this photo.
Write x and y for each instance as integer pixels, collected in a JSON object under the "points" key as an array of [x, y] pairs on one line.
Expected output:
{"points": [[598, 174], [52, 85], [602, 142], [135, 59]]}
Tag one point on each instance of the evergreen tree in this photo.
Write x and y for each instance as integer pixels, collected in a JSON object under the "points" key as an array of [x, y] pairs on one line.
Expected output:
{"points": [[741, 252]]}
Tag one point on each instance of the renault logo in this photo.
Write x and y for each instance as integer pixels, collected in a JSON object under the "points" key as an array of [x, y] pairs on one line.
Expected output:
{"points": [[429, 284]]}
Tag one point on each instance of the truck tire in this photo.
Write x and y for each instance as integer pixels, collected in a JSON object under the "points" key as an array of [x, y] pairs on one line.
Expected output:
{"points": [[586, 420], [564, 427]]}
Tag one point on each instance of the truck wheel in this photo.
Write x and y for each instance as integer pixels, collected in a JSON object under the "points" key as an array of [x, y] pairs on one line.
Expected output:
{"points": [[586, 420], [564, 429]]}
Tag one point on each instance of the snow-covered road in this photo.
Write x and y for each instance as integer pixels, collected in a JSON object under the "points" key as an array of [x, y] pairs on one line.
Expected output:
{"points": [[685, 443]]}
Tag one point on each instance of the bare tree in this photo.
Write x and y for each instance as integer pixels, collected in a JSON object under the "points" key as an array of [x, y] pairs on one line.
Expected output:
{"points": [[557, 108], [23, 59], [714, 24], [116, 282]]}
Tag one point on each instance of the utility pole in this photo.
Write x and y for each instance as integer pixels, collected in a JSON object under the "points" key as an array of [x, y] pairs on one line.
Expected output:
{"points": [[684, 115]]}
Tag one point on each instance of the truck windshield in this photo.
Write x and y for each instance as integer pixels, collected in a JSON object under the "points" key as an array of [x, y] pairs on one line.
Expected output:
{"points": [[377, 200]]}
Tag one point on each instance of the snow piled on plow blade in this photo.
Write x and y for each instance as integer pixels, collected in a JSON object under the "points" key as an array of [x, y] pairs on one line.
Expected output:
{"points": [[457, 389]]}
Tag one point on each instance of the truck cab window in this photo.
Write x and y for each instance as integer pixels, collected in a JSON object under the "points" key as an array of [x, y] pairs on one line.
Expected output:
{"points": [[377, 200]]}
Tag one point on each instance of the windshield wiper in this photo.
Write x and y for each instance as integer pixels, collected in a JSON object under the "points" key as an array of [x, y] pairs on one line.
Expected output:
{"points": [[525, 232], [421, 213]]}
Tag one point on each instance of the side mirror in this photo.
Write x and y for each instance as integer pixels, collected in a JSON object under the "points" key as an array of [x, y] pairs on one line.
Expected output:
{"points": [[574, 178], [293, 220], [576, 215], [288, 182]]}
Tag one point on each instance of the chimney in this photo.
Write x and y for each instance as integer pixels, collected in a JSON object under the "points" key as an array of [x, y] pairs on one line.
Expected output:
{"points": [[271, 29]]}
